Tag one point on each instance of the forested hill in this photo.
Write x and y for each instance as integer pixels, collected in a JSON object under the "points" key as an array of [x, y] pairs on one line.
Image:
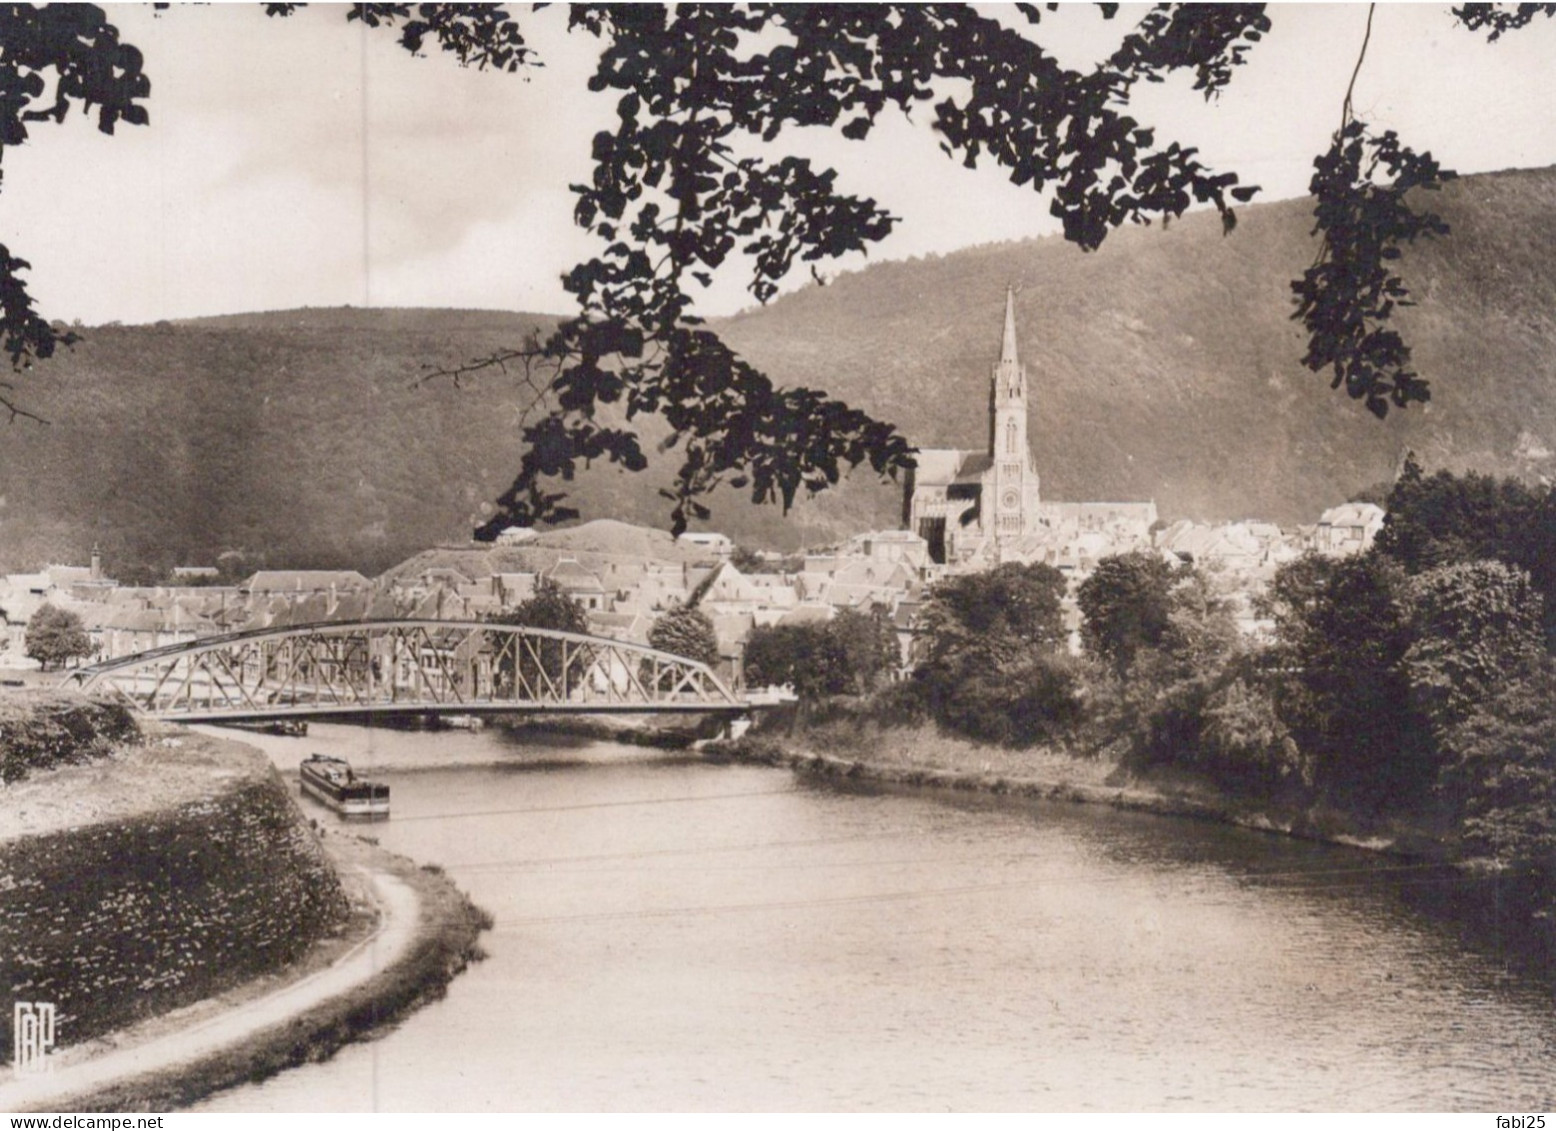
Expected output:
{"points": [[1163, 366], [1166, 365], [306, 436]]}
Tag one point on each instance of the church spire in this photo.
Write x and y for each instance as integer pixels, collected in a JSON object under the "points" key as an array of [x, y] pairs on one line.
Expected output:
{"points": [[1008, 346], [1010, 382]]}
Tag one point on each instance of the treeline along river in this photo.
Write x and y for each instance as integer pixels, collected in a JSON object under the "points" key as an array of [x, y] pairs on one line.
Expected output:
{"points": [[672, 934]]}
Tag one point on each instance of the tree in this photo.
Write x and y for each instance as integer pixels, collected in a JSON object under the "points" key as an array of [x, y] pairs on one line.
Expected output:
{"points": [[693, 180], [55, 636], [806, 657], [1023, 602], [686, 631], [993, 666], [1167, 640], [526, 663], [1500, 774], [1476, 628], [1242, 740], [1445, 519], [868, 643], [747, 560], [1126, 606], [1342, 630]]}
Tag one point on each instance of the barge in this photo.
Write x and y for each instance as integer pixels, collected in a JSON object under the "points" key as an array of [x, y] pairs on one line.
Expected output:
{"points": [[333, 782]]}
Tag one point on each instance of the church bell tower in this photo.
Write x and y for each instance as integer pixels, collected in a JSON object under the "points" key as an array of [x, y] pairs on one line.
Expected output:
{"points": [[1013, 477]]}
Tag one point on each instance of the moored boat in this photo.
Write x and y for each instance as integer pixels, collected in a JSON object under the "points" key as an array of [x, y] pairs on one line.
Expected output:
{"points": [[285, 728], [332, 781]]}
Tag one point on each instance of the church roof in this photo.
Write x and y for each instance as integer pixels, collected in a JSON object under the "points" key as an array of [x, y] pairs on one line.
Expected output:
{"points": [[941, 467], [937, 466], [973, 467]]}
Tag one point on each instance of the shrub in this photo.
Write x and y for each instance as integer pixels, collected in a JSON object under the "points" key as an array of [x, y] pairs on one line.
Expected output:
{"points": [[41, 733]]}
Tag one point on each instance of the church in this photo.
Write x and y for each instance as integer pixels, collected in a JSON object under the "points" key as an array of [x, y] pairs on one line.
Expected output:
{"points": [[976, 509]]}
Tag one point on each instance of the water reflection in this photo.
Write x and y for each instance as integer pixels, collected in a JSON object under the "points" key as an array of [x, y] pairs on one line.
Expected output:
{"points": [[684, 936]]}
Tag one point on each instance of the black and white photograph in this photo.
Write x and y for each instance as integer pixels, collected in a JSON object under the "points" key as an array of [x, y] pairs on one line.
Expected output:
{"points": [[778, 558]]}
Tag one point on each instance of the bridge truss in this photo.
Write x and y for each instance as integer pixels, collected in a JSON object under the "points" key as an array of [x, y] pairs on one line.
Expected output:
{"points": [[406, 666]]}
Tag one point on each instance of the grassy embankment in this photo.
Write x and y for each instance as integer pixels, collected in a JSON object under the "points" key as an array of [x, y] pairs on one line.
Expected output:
{"points": [[852, 744], [155, 875]]}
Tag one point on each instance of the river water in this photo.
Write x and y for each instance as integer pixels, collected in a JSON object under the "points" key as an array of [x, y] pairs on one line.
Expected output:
{"points": [[674, 935]]}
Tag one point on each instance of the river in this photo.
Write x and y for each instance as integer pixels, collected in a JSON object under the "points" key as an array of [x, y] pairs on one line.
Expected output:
{"points": [[676, 935]]}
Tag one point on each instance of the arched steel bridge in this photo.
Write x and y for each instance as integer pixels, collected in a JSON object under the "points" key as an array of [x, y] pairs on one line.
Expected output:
{"points": [[406, 667]]}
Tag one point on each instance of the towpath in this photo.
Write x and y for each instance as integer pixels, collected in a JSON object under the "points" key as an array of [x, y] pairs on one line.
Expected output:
{"points": [[54, 1089]]}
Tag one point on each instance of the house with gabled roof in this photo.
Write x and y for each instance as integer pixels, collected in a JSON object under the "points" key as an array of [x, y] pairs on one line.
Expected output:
{"points": [[579, 583]]}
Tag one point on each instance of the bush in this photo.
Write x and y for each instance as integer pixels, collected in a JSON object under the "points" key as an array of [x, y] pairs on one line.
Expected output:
{"points": [[1027, 699], [686, 631], [1477, 627], [41, 733], [1243, 742], [1499, 774]]}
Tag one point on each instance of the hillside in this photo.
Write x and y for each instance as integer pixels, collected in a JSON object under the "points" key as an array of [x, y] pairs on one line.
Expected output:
{"points": [[1164, 365], [301, 435]]}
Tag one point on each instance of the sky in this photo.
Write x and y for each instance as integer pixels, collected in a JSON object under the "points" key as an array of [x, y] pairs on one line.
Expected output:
{"points": [[312, 162]]}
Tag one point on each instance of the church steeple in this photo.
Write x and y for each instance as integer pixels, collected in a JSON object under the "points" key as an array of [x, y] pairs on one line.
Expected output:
{"points": [[1012, 483], [1010, 380]]}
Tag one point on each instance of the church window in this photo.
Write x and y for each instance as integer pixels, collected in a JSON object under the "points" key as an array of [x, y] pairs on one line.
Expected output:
{"points": [[1010, 437]]}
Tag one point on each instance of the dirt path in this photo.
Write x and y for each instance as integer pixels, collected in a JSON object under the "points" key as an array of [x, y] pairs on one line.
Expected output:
{"points": [[392, 940]]}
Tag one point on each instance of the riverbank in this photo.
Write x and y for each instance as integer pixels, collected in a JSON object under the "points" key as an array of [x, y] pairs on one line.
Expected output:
{"points": [[922, 757], [655, 732], [194, 931]]}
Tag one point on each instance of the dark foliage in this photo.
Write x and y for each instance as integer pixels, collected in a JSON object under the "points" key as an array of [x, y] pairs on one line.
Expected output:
{"points": [[1012, 698], [686, 631], [807, 657], [1445, 519], [993, 666], [1126, 606], [1166, 647], [54, 58], [1476, 628], [1500, 19], [1346, 300], [1343, 628], [43, 734], [531, 662], [1500, 774], [853, 653], [868, 642]]}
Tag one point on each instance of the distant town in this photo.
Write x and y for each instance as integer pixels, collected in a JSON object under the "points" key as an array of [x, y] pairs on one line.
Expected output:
{"points": [[963, 511]]}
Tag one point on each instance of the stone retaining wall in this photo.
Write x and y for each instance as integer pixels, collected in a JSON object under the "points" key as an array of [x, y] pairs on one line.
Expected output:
{"points": [[123, 919]]}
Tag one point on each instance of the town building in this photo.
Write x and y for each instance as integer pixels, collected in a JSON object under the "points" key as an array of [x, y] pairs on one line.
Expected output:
{"points": [[1347, 529], [975, 509]]}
